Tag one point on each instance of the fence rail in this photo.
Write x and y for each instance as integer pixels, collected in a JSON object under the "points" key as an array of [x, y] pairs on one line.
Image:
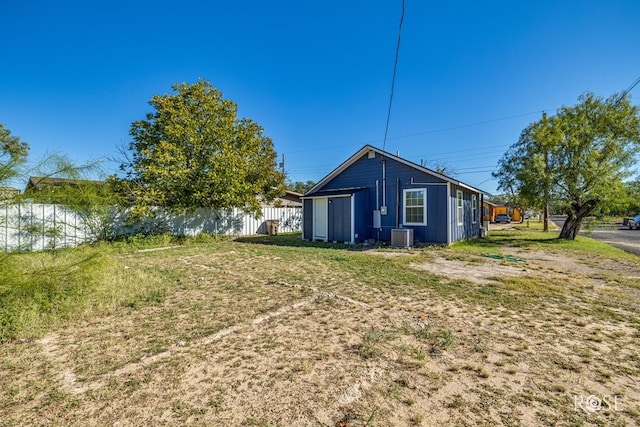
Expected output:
{"points": [[37, 227]]}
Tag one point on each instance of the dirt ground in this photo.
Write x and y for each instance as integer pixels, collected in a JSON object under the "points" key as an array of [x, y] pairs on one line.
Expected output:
{"points": [[269, 337]]}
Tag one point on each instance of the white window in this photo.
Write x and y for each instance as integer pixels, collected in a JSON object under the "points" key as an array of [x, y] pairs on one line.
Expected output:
{"points": [[460, 206], [474, 208], [415, 206]]}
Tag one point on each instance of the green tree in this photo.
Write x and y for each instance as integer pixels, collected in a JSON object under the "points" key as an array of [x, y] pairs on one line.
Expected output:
{"points": [[13, 153], [300, 186], [57, 180], [632, 206], [578, 158], [193, 152]]}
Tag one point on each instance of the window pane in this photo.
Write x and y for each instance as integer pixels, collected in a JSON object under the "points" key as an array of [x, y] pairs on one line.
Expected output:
{"points": [[474, 208], [415, 214], [414, 209], [414, 198]]}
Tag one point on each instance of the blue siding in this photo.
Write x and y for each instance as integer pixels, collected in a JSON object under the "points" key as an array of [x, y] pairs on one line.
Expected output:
{"points": [[468, 229], [339, 219], [363, 216], [364, 172], [307, 219]]}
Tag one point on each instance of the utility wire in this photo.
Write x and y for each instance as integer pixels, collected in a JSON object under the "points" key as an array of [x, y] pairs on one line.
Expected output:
{"points": [[373, 141], [467, 125], [393, 79], [625, 92]]}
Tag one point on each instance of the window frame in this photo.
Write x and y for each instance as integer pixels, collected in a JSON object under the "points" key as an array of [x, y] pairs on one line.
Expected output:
{"points": [[460, 207], [474, 208], [405, 206]]}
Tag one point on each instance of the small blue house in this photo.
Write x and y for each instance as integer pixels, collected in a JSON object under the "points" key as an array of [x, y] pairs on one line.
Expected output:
{"points": [[375, 195]]}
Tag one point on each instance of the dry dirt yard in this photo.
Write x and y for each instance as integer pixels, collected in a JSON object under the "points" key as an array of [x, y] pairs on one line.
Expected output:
{"points": [[247, 334]]}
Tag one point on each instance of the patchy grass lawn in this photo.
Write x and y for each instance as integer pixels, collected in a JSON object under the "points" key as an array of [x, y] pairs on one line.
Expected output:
{"points": [[273, 331]]}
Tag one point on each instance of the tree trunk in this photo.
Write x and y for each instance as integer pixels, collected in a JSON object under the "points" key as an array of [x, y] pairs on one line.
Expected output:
{"points": [[571, 228], [572, 225]]}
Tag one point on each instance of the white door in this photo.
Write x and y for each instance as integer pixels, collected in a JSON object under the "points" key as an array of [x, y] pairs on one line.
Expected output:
{"points": [[320, 219]]}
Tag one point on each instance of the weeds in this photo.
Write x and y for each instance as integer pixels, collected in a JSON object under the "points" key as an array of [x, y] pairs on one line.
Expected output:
{"points": [[323, 333], [370, 347], [42, 291]]}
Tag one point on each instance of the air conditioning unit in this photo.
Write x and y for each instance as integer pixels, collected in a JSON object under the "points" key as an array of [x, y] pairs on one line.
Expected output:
{"points": [[402, 237]]}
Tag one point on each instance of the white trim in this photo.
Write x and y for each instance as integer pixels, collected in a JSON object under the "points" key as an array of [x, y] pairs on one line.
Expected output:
{"points": [[427, 183], [353, 219], [474, 209], [459, 217], [326, 218], [404, 206], [326, 197], [449, 218]]}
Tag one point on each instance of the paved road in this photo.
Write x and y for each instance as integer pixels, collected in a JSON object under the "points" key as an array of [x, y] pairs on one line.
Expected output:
{"points": [[623, 238]]}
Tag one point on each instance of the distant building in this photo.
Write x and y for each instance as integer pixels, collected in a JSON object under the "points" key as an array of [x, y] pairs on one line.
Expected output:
{"points": [[488, 214], [45, 189], [8, 193], [491, 210], [40, 183], [290, 199]]}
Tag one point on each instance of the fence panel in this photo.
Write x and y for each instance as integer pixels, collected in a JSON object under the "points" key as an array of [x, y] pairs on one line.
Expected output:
{"points": [[36, 227]]}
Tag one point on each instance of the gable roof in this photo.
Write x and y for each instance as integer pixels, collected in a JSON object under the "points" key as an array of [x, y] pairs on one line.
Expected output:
{"points": [[42, 182], [367, 148]]}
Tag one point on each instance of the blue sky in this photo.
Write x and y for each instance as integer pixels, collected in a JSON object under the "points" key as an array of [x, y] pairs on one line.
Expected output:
{"points": [[316, 75]]}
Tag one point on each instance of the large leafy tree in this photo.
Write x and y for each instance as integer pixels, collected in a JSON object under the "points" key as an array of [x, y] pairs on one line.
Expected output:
{"points": [[578, 158], [13, 153], [193, 151]]}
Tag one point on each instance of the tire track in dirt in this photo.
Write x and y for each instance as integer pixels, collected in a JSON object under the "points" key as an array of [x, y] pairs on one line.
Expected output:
{"points": [[69, 378], [315, 290], [50, 348], [369, 377], [71, 384]]}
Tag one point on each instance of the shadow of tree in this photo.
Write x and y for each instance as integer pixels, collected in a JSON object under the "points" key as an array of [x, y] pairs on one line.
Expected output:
{"points": [[515, 239], [191, 224]]}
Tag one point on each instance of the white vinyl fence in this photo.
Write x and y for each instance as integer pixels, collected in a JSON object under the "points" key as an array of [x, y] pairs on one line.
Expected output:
{"points": [[36, 227]]}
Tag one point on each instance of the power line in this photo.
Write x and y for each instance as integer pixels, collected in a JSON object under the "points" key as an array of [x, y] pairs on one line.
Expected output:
{"points": [[467, 173], [393, 79], [629, 89], [466, 150], [468, 125], [483, 168], [459, 158], [487, 180], [373, 141]]}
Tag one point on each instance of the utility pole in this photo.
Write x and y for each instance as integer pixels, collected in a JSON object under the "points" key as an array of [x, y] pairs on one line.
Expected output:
{"points": [[282, 164], [546, 174]]}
